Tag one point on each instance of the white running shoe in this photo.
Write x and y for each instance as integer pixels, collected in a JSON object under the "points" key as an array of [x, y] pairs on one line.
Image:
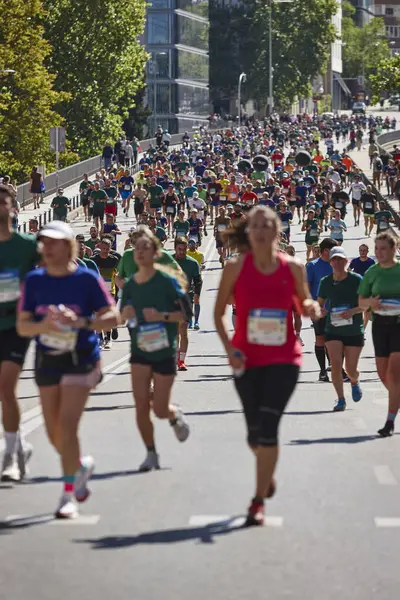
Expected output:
{"points": [[150, 462], [10, 470], [23, 457], [67, 508], [180, 426], [107, 345], [82, 492]]}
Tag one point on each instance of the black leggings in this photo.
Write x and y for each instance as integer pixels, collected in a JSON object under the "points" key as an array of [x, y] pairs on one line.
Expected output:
{"points": [[265, 392]]}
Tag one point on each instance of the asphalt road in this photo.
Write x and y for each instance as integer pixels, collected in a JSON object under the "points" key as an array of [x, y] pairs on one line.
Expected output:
{"points": [[333, 530]]}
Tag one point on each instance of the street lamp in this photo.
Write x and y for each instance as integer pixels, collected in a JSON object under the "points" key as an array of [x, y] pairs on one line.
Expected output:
{"points": [[270, 68], [242, 79]]}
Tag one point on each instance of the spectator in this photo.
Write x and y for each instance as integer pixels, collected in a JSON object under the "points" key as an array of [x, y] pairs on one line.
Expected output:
{"points": [[35, 186], [107, 156]]}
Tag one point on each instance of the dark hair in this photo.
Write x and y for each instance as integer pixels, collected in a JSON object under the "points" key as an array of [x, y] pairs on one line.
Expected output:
{"points": [[107, 239], [236, 236], [386, 237], [180, 239], [327, 244], [6, 191]]}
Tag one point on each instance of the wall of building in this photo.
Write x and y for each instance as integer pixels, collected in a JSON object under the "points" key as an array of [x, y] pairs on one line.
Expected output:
{"points": [[390, 11]]}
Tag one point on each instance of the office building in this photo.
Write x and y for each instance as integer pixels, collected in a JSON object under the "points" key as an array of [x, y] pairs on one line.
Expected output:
{"points": [[389, 10], [176, 37], [364, 11]]}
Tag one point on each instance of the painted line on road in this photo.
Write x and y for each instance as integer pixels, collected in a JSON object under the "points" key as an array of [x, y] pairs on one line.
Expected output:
{"points": [[384, 475], [81, 520], [384, 523], [207, 520], [21, 520]]}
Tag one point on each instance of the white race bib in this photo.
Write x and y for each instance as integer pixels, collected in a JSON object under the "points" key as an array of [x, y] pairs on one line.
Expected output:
{"points": [[212, 190], [390, 307], [383, 225], [64, 341], [152, 337], [127, 188], [170, 210], [9, 286], [368, 205], [336, 318], [221, 228], [285, 225], [233, 195], [267, 327]]}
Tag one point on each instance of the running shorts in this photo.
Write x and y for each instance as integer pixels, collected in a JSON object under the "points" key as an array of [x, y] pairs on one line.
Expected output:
{"points": [[166, 366], [64, 369], [386, 335], [98, 212], [349, 341], [265, 392], [319, 327], [13, 348]]}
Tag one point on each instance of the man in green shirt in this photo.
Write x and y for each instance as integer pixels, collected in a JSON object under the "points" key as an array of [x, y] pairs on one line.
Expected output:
{"points": [[60, 205], [156, 194], [382, 218], [191, 268], [18, 256], [181, 225], [98, 198], [94, 238]]}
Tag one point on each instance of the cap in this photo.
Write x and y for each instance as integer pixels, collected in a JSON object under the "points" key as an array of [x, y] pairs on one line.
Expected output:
{"points": [[229, 206], [191, 241], [337, 251], [159, 211], [194, 210], [57, 230]]}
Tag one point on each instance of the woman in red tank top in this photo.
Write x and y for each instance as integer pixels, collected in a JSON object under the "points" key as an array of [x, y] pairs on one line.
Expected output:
{"points": [[265, 353]]}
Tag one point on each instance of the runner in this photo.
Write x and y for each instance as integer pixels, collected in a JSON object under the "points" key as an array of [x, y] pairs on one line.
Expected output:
{"points": [[222, 223], [344, 330], [107, 264], [383, 218], [380, 291], [153, 302], [18, 255], [57, 307], [336, 226], [311, 227], [356, 190], [368, 204], [265, 354]]}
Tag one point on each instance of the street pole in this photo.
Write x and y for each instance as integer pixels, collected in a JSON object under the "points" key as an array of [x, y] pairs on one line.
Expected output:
{"points": [[242, 79], [155, 92], [57, 157], [270, 73]]}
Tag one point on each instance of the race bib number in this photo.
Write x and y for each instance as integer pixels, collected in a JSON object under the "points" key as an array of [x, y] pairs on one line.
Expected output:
{"points": [[212, 190], [108, 283], [314, 233], [368, 205], [9, 286], [170, 210], [221, 228], [336, 318], [127, 188], [63, 341], [338, 204], [233, 195], [267, 327], [383, 225], [390, 307], [152, 337]]}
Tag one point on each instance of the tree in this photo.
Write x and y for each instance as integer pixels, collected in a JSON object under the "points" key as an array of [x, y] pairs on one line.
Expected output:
{"points": [[302, 34], [363, 47], [27, 97], [97, 58], [137, 119], [386, 79]]}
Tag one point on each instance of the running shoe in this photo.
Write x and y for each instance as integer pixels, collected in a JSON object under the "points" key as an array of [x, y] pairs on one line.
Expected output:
{"points": [[82, 492], [340, 406], [387, 430], [67, 508], [150, 462], [346, 378], [272, 489], [115, 334], [255, 514], [23, 457], [190, 324], [180, 426], [323, 377], [107, 345], [181, 366], [10, 471], [356, 392], [196, 326]]}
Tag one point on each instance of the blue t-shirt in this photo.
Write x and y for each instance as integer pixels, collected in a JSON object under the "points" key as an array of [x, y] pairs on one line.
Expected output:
{"points": [[109, 229], [361, 266], [83, 291], [316, 270]]}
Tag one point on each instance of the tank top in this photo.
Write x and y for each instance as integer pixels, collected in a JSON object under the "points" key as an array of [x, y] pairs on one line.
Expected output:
{"points": [[264, 315]]}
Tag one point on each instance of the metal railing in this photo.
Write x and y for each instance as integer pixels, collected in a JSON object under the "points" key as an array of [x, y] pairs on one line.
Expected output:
{"points": [[47, 215]]}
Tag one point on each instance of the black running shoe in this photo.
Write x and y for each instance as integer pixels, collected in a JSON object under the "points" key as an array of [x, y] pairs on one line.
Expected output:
{"points": [[387, 430], [323, 376], [115, 334]]}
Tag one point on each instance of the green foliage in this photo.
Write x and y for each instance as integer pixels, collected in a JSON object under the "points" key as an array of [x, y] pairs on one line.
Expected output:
{"points": [[137, 119], [301, 37], [27, 97], [96, 58], [386, 78], [363, 47]]}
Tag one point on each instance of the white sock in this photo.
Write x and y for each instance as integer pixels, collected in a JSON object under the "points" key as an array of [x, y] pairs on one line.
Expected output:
{"points": [[182, 356], [11, 439]]}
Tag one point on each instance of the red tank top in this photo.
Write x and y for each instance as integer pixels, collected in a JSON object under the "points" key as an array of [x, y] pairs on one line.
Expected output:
{"points": [[264, 315]]}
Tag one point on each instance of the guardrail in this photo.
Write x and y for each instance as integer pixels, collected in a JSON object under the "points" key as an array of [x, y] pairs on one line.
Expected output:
{"points": [[47, 215], [391, 137]]}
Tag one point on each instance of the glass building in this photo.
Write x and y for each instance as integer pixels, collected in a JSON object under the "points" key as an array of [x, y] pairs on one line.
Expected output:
{"points": [[176, 37]]}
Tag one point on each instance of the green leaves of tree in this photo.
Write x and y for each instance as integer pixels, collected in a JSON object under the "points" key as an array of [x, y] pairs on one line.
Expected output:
{"points": [[386, 78]]}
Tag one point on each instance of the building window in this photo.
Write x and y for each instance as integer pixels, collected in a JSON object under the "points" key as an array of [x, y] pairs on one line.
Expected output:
{"points": [[192, 100], [163, 100], [192, 33], [160, 3], [158, 29], [158, 65], [198, 7], [192, 66], [389, 12]]}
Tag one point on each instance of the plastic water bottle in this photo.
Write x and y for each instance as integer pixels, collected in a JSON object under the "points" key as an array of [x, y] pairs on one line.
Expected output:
{"points": [[238, 372]]}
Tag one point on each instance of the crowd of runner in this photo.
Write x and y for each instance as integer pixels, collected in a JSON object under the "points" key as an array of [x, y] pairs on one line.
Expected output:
{"points": [[245, 187]]}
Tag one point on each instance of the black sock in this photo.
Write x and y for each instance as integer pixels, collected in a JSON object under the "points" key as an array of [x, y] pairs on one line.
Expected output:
{"points": [[151, 448], [320, 355]]}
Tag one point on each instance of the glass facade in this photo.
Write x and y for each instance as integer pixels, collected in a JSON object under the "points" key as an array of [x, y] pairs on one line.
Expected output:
{"points": [[176, 38]]}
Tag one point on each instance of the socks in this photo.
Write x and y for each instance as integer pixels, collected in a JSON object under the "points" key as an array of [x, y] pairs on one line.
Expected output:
{"points": [[69, 482], [391, 417], [196, 312], [151, 448], [182, 356], [320, 356], [11, 439]]}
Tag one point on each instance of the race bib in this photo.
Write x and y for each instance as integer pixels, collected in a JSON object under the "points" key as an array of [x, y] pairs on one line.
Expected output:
{"points": [[338, 204], [336, 318], [233, 195], [259, 195], [221, 228], [212, 190], [127, 188], [63, 341], [368, 205], [152, 337], [314, 233], [285, 225], [390, 307], [108, 283], [9, 286], [170, 210], [383, 225], [267, 327]]}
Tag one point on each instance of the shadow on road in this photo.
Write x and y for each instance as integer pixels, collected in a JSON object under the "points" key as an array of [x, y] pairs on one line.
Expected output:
{"points": [[300, 413], [207, 413], [103, 408], [95, 476], [356, 439], [205, 535]]}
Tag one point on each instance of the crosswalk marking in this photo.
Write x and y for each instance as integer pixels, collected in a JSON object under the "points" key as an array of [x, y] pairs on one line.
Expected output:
{"points": [[49, 519], [384, 522], [384, 475]]}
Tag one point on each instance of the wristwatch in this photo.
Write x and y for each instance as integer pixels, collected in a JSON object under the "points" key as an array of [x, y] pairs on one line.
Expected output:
{"points": [[166, 316], [88, 322]]}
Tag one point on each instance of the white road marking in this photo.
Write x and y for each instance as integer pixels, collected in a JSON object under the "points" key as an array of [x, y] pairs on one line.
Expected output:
{"points": [[384, 475], [384, 522], [360, 424], [21, 520], [207, 520], [81, 520]]}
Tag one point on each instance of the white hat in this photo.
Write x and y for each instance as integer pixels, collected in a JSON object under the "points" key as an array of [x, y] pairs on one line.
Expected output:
{"points": [[57, 230], [337, 251]]}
